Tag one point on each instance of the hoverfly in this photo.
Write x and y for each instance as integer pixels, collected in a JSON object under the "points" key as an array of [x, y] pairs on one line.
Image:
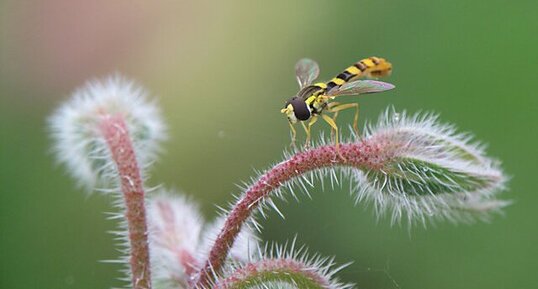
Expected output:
{"points": [[313, 99]]}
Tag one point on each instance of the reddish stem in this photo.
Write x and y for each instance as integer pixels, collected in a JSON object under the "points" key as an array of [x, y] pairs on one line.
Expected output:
{"points": [[117, 137], [357, 155]]}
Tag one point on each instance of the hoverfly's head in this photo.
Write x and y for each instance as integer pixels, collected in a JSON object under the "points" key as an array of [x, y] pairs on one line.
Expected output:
{"points": [[296, 109]]}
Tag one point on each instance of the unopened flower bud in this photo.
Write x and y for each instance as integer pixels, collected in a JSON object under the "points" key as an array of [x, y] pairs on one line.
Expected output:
{"points": [[77, 135], [426, 169]]}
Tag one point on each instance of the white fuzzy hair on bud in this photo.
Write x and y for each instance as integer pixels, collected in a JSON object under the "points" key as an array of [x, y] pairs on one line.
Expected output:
{"points": [[282, 266], [428, 171], [175, 224], [179, 240], [245, 246], [78, 142]]}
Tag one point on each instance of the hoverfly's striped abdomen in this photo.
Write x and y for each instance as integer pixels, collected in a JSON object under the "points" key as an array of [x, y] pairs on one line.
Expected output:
{"points": [[369, 67]]}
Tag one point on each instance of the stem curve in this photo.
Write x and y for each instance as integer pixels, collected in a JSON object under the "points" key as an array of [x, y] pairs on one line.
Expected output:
{"points": [[359, 155]]}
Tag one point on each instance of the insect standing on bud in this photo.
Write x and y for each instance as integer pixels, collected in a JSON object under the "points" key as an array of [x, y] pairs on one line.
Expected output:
{"points": [[313, 99]]}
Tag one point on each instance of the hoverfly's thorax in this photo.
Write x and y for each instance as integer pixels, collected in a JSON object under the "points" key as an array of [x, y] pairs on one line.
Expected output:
{"points": [[319, 104], [312, 96]]}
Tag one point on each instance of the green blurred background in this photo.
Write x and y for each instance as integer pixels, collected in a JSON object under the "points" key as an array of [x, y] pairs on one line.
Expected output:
{"points": [[221, 72]]}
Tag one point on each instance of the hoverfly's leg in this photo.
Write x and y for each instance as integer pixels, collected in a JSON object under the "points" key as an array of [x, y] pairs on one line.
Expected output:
{"points": [[293, 133], [307, 129], [335, 114], [331, 122], [341, 107], [312, 121]]}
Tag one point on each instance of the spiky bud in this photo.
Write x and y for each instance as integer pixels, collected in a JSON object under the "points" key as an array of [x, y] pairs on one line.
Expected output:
{"points": [[424, 169], [179, 240], [78, 137], [278, 266], [175, 225]]}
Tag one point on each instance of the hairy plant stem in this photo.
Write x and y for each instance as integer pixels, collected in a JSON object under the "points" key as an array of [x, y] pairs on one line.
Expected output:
{"points": [[117, 138], [354, 155]]}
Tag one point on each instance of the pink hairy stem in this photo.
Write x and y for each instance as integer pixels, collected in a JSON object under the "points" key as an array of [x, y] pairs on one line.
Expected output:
{"points": [[117, 138], [359, 155]]}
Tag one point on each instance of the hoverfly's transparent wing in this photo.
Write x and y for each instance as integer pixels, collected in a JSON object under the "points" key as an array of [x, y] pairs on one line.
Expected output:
{"points": [[306, 71], [360, 87]]}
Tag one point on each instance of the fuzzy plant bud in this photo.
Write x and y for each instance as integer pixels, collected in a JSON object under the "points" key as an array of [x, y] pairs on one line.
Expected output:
{"points": [[175, 224], [281, 267], [179, 240], [76, 128], [423, 169]]}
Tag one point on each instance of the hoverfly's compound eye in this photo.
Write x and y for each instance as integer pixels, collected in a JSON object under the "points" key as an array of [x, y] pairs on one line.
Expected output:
{"points": [[300, 109]]}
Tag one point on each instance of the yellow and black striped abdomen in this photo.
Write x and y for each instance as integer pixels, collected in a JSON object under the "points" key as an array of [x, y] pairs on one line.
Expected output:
{"points": [[368, 67]]}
